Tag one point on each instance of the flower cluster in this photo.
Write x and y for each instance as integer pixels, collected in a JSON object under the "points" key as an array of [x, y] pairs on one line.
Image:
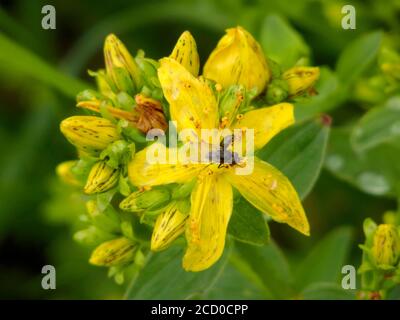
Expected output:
{"points": [[135, 206]]}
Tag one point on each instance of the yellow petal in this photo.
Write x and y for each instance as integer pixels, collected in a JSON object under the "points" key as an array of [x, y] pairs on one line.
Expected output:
{"points": [[267, 189], [142, 172], [238, 59], [169, 225], [185, 52], [266, 122], [192, 102], [206, 229]]}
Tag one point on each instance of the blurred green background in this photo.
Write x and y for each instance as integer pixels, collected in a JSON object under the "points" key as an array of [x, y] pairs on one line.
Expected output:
{"points": [[40, 72]]}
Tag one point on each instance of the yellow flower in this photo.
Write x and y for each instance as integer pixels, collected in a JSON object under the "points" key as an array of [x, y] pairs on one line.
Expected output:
{"points": [[193, 106], [185, 52], [238, 59], [63, 170]]}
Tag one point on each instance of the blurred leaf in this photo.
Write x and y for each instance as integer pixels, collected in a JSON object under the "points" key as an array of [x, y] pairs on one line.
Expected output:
{"points": [[247, 224], [271, 267], [378, 125], [281, 42], [328, 98], [164, 272], [357, 56], [326, 291], [299, 152], [370, 171], [232, 285], [324, 262], [19, 60]]}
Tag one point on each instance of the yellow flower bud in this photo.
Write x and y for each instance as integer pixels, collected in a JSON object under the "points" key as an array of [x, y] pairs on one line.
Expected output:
{"points": [[185, 52], [89, 134], [64, 172], [300, 79], [238, 59], [118, 60], [169, 225], [386, 245], [142, 200], [114, 252], [101, 178]]}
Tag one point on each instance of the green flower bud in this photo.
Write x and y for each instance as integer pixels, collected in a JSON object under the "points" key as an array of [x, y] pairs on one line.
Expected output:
{"points": [[107, 220], [92, 236], [89, 134], [114, 252], [120, 65], [145, 200], [183, 190], [88, 95], [101, 178], [277, 91], [386, 246]]}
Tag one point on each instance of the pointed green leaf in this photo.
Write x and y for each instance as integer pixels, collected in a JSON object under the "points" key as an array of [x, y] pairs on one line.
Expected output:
{"points": [[378, 125], [325, 261], [358, 56]]}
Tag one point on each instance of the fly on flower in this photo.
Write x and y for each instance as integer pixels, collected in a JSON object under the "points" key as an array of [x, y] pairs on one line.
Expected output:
{"points": [[193, 105]]}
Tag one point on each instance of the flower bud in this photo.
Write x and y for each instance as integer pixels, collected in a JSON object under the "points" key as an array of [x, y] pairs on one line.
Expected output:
{"points": [[183, 190], [185, 52], [65, 173], [101, 178], [238, 59], [107, 219], [277, 91], [386, 246], [92, 236], [89, 134], [120, 65], [169, 225], [300, 79], [145, 200], [114, 252]]}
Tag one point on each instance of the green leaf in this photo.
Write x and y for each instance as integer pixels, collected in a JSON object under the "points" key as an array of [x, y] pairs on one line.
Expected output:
{"points": [[247, 224], [370, 171], [378, 125], [233, 285], [328, 98], [325, 261], [281, 42], [327, 291], [19, 60], [357, 57], [270, 266], [163, 278], [299, 152]]}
